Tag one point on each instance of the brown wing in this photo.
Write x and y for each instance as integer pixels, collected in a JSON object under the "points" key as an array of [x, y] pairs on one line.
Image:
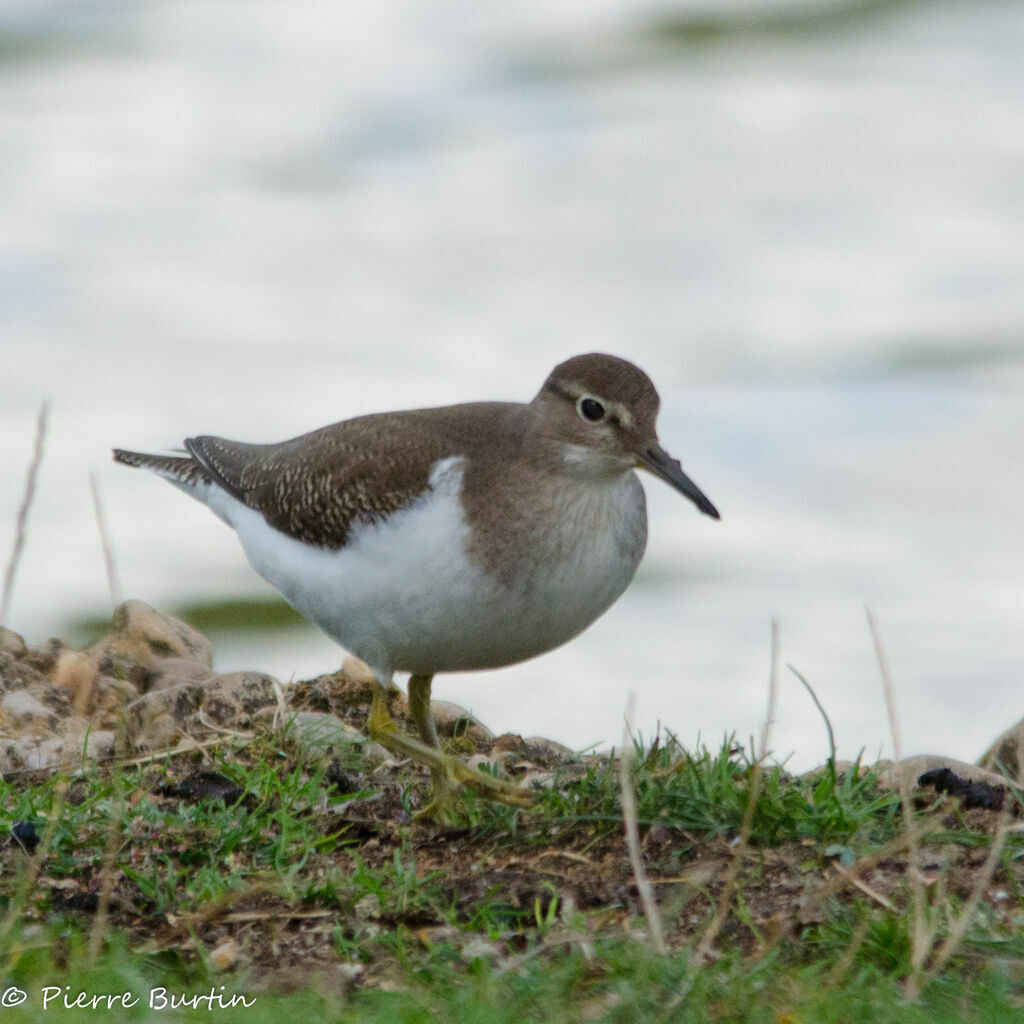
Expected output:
{"points": [[317, 486]]}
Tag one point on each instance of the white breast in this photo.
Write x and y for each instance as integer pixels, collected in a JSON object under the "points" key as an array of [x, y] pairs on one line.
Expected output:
{"points": [[404, 596]]}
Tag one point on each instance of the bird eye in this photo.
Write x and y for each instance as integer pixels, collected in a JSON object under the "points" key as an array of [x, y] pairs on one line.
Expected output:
{"points": [[591, 409]]}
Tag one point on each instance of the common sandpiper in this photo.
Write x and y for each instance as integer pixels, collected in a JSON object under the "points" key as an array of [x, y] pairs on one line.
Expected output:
{"points": [[448, 539]]}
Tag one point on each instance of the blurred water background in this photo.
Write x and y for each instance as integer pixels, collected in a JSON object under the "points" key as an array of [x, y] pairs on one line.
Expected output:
{"points": [[805, 220]]}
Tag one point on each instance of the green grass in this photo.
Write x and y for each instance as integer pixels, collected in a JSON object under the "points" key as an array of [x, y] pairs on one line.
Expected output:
{"points": [[340, 909]]}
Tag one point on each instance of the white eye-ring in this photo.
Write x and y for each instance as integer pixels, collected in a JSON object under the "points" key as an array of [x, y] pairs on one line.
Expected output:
{"points": [[590, 409]]}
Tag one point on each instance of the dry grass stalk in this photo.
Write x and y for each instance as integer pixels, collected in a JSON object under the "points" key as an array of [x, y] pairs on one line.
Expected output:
{"points": [[849, 876], [629, 819], [703, 950], [26, 504], [108, 873], [923, 934], [549, 945], [927, 960], [108, 550], [865, 888], [887, 687], [959, 927], [189, 746]]}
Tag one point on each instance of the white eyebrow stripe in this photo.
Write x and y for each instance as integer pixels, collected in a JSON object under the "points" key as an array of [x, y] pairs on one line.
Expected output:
{"points": [[620, 412]]}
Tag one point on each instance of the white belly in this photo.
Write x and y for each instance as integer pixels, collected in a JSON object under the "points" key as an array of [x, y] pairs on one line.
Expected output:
{"points": [[404, 596]]}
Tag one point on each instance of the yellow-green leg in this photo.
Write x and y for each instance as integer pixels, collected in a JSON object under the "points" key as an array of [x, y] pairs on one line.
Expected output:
{"points": [[442, 804], [448, 773]]}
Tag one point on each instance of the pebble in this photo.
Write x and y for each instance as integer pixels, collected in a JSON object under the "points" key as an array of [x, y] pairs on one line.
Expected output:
{"points": [[20, 706], [150, 682], [317, 734], [1006, 755], [141, 636], [12, 643], [452, 719], [235, 699], [909, 771], [76, 673], [357, 670]]}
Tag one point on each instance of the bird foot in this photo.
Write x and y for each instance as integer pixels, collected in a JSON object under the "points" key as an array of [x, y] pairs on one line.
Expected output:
{"points": [[457, 775], [449, 773]]}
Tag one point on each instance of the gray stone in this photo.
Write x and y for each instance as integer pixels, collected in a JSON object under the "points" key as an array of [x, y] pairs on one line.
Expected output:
{"points": [[317, 734], [18, 675], [36, 754], [170, 673], [20, 706], [142, 636], [357, 670], [78, 734], [842, 769], [235, 699], [1006, 755], [487, 762], [112, 698], [75, 673], [157, 718], [453, 719], [910, 769], [542, 747], [537, 779], [99, 744], [45, 657], [11, 643]]}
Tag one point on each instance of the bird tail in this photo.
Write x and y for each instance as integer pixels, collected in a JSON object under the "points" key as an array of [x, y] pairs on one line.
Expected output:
{"points": [[181, 470]]}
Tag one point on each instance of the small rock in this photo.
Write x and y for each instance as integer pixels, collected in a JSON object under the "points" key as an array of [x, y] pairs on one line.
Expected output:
{"points": [[478, 948], [157, 718], [20, 707], [44, 658], [205, 787], [18, 674], [910, 770], [234, 700], [842, 768], [112, 697], [542, 749], [9, 760], [453, 720], [511, 743], [76, 673], [12, 643], [225, 955], [375, 754], [357, 670], [157, 731], [101, 744], [317, 734], [535, 779], [81, 740], [171, 673], [367, 908], [486, 762], [25, 835], [35, 754], [1006, 755], [73, 727], [142, 636], [349, 972]]}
